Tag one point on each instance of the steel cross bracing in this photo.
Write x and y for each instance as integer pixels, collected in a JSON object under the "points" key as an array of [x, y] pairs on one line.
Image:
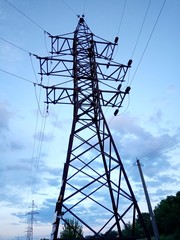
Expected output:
{"points": [[95, 189]]}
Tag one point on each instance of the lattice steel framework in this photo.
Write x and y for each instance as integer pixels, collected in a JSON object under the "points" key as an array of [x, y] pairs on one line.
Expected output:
{"points": [[95, 189], [31, 221]]}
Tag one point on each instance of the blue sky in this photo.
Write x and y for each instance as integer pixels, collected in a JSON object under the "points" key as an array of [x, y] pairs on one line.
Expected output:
{"points": [[147, 126]]}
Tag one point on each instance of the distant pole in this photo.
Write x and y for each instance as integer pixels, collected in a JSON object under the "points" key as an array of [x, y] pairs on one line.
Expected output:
{"points": [[155, 230]]}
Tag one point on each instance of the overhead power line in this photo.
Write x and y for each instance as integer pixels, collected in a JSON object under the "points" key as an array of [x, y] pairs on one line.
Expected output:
{"points": [[14, 45], [122, 15], [150, 36], [84, 6], [37, 153], [148, 41], [14, 75], [140, 31], [168, 147], [70, 8], [162, 149], [30, 19]]}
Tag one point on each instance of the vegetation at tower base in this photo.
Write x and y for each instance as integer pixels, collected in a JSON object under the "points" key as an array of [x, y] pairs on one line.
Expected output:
{"points": [[167, 215], [71, 230], [138, 228]]}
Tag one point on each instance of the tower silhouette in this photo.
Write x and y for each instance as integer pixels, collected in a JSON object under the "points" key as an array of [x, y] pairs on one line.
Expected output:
{"points": [[95, 188], [31, 221]]}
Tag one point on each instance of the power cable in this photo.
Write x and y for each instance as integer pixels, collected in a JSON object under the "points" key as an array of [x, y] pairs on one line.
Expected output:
{"points": [[148, 41], [22, 49], [45, 43], [36, 156], [29, 81], [44, 121], [119, 27], [37, 99], [120, 114], [124, 6], [38, 153], [84, 6], [33, 68], [42, 135], [22, 78], [30, 19], [14, 75], [38, 103], [140, 31], [164, 148], [33, 153], [153, 153], [120, 23], [70, 8], [40, 138]]}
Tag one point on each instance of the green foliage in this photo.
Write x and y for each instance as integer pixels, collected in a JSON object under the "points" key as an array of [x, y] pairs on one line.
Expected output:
{"points": [[167, 215], [147, 222], [71, 230], [111, 235], [138, 230], [106, 236], [128, 230]]}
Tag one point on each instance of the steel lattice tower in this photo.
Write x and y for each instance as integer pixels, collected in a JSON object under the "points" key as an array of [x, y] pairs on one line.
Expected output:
{"points": [[31, 221], [95, 189]]}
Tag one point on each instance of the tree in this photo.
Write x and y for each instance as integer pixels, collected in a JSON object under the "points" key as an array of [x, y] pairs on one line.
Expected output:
{"points": [[110, 235], [71, 230], [147, 222], [167, 215], [127, 231]]}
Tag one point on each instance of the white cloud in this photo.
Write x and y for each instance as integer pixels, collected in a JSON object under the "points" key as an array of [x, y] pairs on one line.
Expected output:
{"points": [[6, 116]]}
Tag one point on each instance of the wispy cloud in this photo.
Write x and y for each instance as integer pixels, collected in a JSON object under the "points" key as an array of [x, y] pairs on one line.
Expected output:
{"points": [[6, 115]]}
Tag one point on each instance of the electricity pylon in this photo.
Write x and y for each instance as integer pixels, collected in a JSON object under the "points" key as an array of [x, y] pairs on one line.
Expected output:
{"points": [[95, 188], [31, 220]]}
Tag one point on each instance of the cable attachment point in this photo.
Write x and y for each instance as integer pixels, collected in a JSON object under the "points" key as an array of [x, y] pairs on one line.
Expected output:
{"points": [[119, 87], [116, 40], [127, 90], [116, 112], [129, 63], [47, 108]]}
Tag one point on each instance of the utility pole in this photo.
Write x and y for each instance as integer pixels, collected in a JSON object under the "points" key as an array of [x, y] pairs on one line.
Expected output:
{"points": [[95, 189], [153, 221], [31, 220]]}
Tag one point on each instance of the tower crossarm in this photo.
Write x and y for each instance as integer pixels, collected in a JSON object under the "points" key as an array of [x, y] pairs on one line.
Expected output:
{"points": [[61, 45], [110, 94], [103, 49], [59, 95], [55, 67], [85, 62]]}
